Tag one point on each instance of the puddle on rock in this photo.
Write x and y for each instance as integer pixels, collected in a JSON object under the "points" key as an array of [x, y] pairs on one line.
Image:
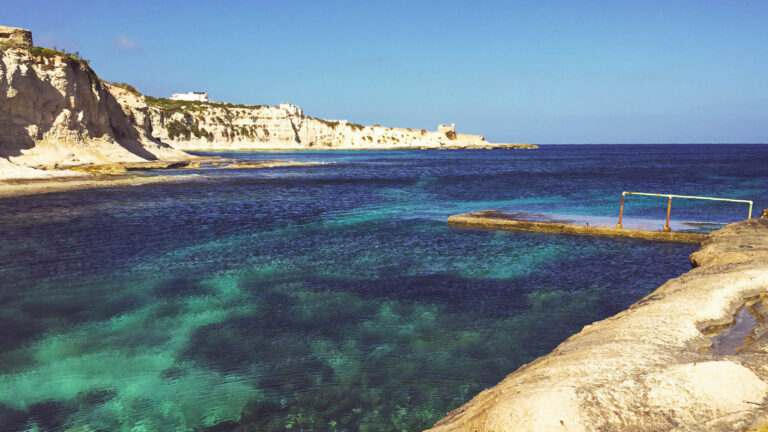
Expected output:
{"points": [[704, 227], [748, 325]]}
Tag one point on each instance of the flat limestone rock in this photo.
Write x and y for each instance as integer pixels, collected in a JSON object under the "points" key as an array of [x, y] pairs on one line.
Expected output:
{"points": [[650, 367], [123, 167], [578, 225], [267, 164]]}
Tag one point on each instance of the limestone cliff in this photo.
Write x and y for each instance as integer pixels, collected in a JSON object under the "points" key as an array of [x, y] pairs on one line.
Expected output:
{"points": [[55, 112], [210, 125], [691, 356]]}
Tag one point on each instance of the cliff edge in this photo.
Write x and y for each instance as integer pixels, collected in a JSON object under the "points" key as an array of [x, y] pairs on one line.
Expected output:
{"points": [[692, 355], [219, 126], [55, 113]]}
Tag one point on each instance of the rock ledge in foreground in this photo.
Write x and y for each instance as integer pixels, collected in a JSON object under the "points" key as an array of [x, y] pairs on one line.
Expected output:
{"points": [[651, 367]]}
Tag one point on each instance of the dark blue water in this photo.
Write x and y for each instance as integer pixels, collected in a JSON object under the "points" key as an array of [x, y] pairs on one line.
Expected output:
{"points": [[327, 297]]}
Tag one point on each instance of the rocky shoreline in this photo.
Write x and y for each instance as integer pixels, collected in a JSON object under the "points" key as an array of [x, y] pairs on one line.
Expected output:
{"points": [[131, 174], [681, 358], [14, 188]]}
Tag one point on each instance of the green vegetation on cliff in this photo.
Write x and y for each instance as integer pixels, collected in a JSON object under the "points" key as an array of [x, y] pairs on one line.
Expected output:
{"points": [[193, 106], [178, 128], [53, 52], [126, 86], [333, 124], [174, 105], [329, 123]]}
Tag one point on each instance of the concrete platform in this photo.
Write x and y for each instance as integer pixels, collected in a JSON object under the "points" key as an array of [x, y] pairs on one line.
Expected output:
{"points": [[579, 225]]}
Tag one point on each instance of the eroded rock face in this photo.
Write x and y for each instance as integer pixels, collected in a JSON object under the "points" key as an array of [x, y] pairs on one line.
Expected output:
{"points": [[55, 112], [648, 368], [208, 126], [12, 36]]}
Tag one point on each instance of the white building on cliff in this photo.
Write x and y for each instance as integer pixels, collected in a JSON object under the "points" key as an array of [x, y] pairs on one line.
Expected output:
{"points": [[191, 96], [291, 109]]}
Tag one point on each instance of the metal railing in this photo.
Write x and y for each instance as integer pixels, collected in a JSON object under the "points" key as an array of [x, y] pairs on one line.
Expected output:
{"points": [[669, 203]]}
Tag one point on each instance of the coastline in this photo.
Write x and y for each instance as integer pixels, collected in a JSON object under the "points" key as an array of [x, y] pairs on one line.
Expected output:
{"points": [[656, 365], [14, 188], [118, 174], [115, 174], [381, 148]]}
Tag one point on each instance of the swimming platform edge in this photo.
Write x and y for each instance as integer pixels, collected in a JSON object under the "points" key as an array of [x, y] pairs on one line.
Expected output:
{"points": [[500, 220]]}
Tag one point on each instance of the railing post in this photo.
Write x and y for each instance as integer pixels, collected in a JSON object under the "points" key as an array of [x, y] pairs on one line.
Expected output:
{"points": [[669, 209], [669, 204], [621, 211]]}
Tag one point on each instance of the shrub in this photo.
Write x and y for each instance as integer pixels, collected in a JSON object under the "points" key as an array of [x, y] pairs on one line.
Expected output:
{"points": [[200, 132], [331, 124], [170, 105], [128, 87], [451, 135], [53, 52], [177, 129], [193, 106], [196, 131]]}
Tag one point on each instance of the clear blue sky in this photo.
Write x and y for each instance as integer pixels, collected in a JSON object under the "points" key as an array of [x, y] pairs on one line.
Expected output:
{"points": [[536, 71]]}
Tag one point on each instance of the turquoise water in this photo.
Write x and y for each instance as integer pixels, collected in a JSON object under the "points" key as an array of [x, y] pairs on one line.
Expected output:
{"points": [[329, 297]]}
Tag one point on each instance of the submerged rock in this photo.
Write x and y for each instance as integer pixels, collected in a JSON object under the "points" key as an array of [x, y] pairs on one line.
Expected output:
{"points": [[650, 367]]}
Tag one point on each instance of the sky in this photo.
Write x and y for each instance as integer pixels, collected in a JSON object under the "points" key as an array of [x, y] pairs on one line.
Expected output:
{"points": [[535, 71]]}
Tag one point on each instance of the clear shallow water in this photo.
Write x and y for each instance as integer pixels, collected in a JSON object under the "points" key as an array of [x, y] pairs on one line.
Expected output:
{"points": [[328, 297]]}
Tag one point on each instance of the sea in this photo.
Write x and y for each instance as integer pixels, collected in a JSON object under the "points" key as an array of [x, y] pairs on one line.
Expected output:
{"points": [[329, 297]]}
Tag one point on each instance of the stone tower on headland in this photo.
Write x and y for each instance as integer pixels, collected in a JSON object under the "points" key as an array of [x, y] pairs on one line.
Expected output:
{"points": [[15, 37]]}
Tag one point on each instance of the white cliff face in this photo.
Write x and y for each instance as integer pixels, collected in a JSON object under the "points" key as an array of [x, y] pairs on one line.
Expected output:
{"points": [[215, 126], [55, 112], [206, 127]]}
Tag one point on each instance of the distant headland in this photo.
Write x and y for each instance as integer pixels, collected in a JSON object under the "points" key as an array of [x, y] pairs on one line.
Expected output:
{"points": [[56, 114]]}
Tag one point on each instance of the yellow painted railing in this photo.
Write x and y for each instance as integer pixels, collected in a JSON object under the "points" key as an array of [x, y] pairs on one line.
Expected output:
{"points": [[669, 203]]}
